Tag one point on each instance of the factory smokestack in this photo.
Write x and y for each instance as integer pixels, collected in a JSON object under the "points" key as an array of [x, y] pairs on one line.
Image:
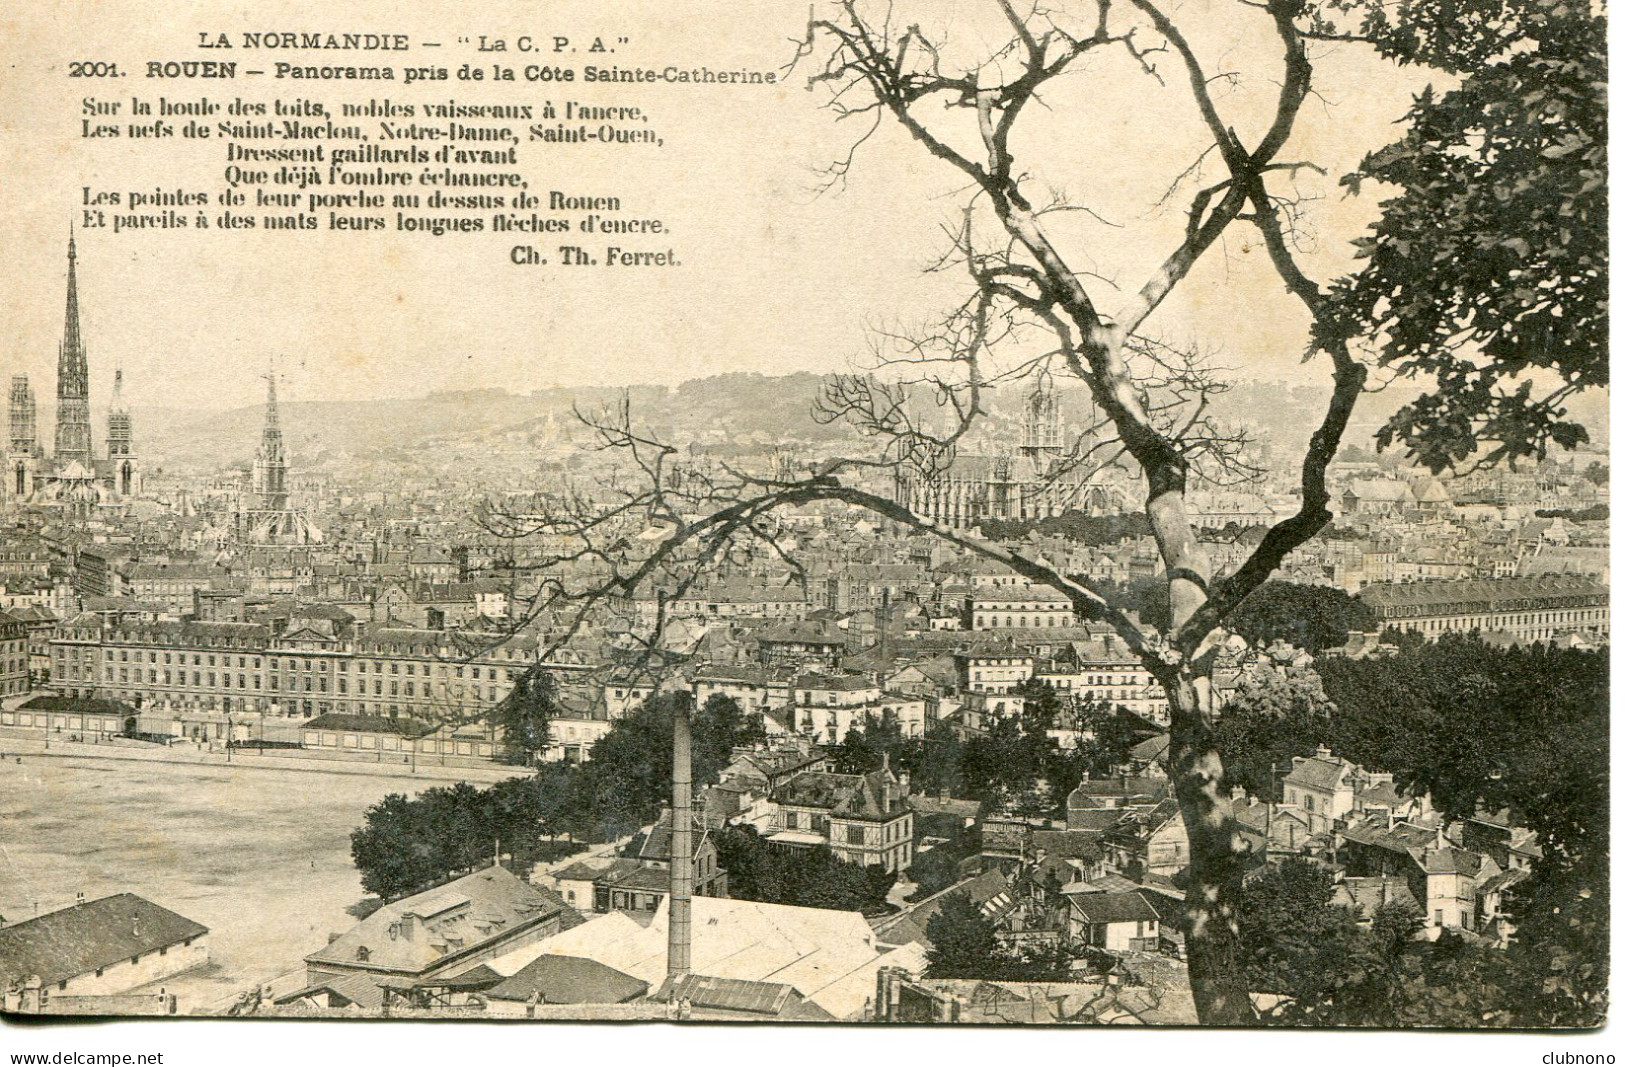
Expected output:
{"points": [[678, 925]]}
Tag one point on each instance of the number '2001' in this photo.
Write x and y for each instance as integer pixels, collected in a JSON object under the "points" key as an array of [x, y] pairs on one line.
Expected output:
{"points": [[92, 69]]}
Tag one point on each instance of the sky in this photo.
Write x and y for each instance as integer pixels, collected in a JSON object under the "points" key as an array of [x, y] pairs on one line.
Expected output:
{"points": [[776, 276]]}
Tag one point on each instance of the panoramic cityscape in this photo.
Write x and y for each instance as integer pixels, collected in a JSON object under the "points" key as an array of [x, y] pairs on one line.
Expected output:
{"points": [[853, 771], [904, 513]]}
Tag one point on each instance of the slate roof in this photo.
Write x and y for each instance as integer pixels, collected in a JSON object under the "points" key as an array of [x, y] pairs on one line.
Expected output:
{"points": [[1318, 772], [1090, 792], [1452, 861], [447, 919], [1401, 837], [1479, 594], [657, 845], [98, 933], [1072, 844], [738, 996], [909, 926], [569, 980], [1113, 907], [924, 804], [850, 796], [802, 633]]}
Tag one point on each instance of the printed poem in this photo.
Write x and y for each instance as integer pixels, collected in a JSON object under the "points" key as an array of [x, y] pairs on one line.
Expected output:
{"points": [[521, 154]]}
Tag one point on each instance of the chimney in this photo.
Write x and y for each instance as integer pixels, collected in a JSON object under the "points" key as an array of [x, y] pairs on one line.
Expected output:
{"points": [[679, 934], [885, 629], [887, 796], [409, 926]]}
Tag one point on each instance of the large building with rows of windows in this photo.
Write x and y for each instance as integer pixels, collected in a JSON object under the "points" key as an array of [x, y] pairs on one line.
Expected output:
{"points": [[243, 667], [1530, 609]]}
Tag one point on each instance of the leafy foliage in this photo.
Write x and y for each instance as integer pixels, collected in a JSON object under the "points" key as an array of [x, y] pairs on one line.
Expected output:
{"points": [[525, 715], [1311, 617], [1074, 525], [405, 844], [965, 944], [1478, 728], [1273, 717], [803, 877], [1493, 260]]}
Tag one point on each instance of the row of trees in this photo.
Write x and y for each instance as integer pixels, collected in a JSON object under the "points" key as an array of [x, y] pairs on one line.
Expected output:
{"points": [[804, 877], [406, 842], [1310, 617], [1013, 760]]}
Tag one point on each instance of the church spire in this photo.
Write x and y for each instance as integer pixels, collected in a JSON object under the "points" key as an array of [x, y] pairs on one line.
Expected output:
{"points": [[72, 376], [271, 462], [271, 425]]}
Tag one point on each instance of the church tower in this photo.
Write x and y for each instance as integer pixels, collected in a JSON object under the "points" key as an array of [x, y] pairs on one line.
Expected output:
{"points": [[72, 381], [1041, 420], [271, 461], [270, 519], [124, 469], [23, 452]]}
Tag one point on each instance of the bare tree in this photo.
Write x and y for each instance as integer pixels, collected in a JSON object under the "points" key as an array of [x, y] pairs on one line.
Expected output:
{"points": [[1032, 308]]}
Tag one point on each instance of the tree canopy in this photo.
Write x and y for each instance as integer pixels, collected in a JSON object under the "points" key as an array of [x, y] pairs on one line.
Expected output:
{"points": [[1491, 261]]}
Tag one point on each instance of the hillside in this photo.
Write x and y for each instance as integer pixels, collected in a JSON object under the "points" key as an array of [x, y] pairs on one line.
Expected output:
{"points": [[747, 411]]}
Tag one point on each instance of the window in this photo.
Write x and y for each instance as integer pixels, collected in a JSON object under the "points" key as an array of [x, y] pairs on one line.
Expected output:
{"points": [[854, 835]]}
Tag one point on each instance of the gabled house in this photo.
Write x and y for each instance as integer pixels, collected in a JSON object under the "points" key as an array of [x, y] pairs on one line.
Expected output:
{"points": [[1149, 841], [863, 818], [1116, 922], [98, 948], [441, 930]]}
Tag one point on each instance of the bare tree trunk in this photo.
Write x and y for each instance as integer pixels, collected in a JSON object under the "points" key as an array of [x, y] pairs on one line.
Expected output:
{"points": [[1213, 895]]}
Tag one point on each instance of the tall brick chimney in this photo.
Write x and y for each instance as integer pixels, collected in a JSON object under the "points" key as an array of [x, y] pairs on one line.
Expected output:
{"points": [[679, 932]]}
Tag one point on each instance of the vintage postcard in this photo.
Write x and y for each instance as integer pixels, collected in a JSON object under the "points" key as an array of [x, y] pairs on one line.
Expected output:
{"points": [[1048, 512]]}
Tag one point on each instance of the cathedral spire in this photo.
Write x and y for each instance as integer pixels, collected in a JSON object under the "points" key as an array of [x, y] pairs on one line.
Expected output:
{"points": [[270, 402], [72, 376], [271, 462]]}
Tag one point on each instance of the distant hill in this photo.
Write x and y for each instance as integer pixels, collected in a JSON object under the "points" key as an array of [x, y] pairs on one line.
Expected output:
{"points": [[748, 411]]}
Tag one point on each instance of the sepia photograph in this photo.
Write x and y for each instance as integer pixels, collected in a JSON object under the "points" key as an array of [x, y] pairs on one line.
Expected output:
{"points": [[1026, 513]]}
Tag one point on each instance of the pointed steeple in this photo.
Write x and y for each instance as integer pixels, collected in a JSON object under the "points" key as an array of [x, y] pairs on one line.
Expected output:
{"points": [[70, 329], [271, 462], [72, 376], [271, 424]]}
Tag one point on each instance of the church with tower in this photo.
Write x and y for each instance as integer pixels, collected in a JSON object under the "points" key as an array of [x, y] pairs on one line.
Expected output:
{"points": [[268, 517], [71, 479], [1035, 481]]}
